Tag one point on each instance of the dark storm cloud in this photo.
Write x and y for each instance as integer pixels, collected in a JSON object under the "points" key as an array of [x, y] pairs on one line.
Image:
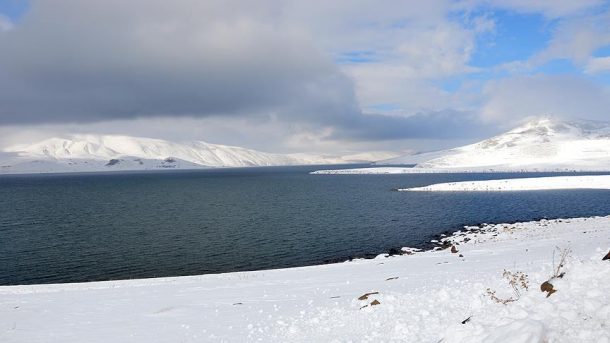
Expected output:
{"points": [[73, 61]]}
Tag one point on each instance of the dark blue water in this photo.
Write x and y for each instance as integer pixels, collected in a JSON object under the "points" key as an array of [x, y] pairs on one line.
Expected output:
{"points": [[69, 228]]}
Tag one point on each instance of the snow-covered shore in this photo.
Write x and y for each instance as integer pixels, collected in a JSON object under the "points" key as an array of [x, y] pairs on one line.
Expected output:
{"points": [[424, 297], [523, 184], [499, 169]]}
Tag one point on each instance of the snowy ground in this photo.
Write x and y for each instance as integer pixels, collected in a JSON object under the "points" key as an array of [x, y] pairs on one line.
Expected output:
{"points": [[524, 184], [436, 296]]}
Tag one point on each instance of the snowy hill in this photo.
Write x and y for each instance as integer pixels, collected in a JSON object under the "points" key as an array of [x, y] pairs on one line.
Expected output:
{"points": [[539, 145], [108, 152]]}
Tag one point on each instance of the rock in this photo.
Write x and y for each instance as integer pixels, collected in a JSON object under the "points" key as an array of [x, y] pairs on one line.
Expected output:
{"points": [[366, 295], [547, 287], [444, 245], [607, 257], [113, 162], [375, 302], [454, 249]]}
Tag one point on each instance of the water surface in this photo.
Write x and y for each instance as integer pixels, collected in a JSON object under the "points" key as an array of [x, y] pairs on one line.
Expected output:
{"points": [[69, 228]]}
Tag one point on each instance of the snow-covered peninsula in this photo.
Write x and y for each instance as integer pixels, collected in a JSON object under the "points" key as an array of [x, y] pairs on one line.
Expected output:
{"points": [[541, 145], [485, 286], [522, 184]]}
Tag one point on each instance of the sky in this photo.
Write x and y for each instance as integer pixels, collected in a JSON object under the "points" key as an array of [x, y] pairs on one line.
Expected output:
{"points": [[337, 76]]}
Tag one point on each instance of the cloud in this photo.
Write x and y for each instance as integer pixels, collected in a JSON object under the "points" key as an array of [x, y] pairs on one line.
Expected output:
{"points": [[446, 124], [290, 72], [576, 39], [421, 132], [598, 65], [510, 100], [112, 59], [5, 24]]}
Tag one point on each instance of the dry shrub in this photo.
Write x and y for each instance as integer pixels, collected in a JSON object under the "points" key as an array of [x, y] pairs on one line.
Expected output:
{"points": [[564, 253], [517, 281], [558, 272]]}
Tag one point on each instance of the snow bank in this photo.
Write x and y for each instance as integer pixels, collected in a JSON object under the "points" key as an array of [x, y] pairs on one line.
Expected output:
{"points": [[420, 297], [524, 184]]}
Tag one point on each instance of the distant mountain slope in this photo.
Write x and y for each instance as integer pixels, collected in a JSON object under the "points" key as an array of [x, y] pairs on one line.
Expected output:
{"points": [[542, 144], [109, 152]]}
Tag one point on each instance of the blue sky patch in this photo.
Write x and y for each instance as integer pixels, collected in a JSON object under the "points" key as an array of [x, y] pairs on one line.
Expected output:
{"points": [[14, 9], [517, 37]]}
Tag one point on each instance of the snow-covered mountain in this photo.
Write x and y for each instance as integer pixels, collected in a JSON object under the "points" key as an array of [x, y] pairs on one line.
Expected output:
{"points": [[110, 152], [541, 144]]}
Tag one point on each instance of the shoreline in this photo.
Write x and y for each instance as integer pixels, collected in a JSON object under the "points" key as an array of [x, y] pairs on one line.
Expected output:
{"points": [[413, 170], [436, 243], [440, 294]]}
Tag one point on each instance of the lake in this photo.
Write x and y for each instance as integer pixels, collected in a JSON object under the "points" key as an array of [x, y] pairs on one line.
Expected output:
{"points": [[86, 227]]}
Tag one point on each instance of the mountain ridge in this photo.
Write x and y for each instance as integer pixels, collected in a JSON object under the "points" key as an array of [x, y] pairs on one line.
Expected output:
{"points": [[89, 152]]}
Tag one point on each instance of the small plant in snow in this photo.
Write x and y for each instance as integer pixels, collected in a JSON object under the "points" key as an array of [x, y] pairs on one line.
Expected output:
{"points": [[518, 281], [558, 272], [563, 255]]}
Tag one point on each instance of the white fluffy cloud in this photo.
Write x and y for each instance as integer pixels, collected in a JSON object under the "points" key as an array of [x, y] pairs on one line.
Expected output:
{"points": [[598, 64], [577, 39], [5, 24], [510, 100]]}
